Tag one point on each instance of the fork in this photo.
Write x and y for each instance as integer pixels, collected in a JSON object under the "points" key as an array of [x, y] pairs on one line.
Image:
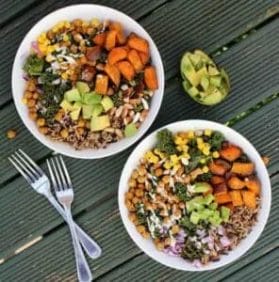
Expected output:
{"points": [[65, 194], [38, 180]]}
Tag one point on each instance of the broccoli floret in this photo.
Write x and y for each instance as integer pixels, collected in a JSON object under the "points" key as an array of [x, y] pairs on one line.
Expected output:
{"points": [[165, 142], [216, 140], [33, 65]]}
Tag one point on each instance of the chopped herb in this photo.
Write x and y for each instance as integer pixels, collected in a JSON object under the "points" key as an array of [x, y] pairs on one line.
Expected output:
{"points": [[181, 192], [194, 161], [205, 177], [139, 108], [216, 140], [165, 142], [187, 225], [117, 99], [33, 65], [190, 251], [141, 214]]}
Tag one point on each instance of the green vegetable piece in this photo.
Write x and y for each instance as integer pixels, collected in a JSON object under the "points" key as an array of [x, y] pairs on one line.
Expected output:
{"points": [[82, 87], [213, 206], [202, 187], [74, 114], [99, 123], [195, 204], [195, 217], [97, 110], [195, 58], [216, 140], [165, 142], [107, 103], [186, 66], [204, 83], [130, 130], [72, 95], [225, 213], [215, 219], [33, 65], [212, 70], [66, 106], [181, 191], [87, 111], [193, 91], [92, 98], [208, 199], [216, 80], [205, 214]]}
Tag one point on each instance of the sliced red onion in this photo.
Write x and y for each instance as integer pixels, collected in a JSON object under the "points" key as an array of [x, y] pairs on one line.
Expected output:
{"points": [[221, 230], [225, 241], [201, 233], [207, 240], [25, 77]]}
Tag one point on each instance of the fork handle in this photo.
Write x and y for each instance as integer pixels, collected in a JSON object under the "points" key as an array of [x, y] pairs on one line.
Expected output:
{"points": [[89, 245]]}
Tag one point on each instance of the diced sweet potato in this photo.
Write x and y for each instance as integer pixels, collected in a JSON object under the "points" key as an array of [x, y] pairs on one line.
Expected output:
{"points": [[236, 198], [235, 183], [117, 54], [230, 153], [111, 39], [113, 73], [244, 169], [222, 198], [100, 38], [101, 85], [218, 167], [144, 57], [138, 43], [126, 69], [220, 188], [217, 180], [134, 59], [249, 199], [120, 36], [150, 78], [229, 206], [93, 53], [253, 185]]}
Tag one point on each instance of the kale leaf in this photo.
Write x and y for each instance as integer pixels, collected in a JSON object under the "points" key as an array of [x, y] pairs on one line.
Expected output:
{"points": [[187, 225], [181, 191], [165, 142], [205, 177], [33, 65], [216, 140]]}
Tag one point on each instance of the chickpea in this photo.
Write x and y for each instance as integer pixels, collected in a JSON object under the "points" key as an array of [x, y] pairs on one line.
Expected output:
{"points": [[31, 103], [160, 246], [81, 123], [175, 229], [142, 171], [132, 190], [139, 193], [35, 95], [28, 94], [149, 206], [41, 121], [132, 216], [64, 133], [33, 115], [182, 205], [11, 134], [31, 86], [135, 200], [132, 182], [50, 34], [135, 174], [129, 195], [166, 220], [141, 179], [158, 172], [43, 130], [167, 241], [145, 235], [130, 206], [141, 186], [166, 179], [77, 22], [140, 228], [58, 116], [80, 131]]}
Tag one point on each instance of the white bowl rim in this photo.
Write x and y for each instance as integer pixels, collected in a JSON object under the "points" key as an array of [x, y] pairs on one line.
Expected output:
{"points": [[101, 153], [156, 255]]}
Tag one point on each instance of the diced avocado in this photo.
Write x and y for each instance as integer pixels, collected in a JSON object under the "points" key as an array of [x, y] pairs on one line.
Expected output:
{"points": [[74, 114], [195, 58], [216, 80], [213, 98], [186, 66], [66, 106], [202, 187], [107, 103], [203, 56], [208, 199], [195, 217], [87, 111], [97, 110], [82, 87], [205, 214], [212, 70], [215, 219], [193, 91], [72, 95], [92, 98], [99, 123], [226, 77], [225, 213], [204, 83], [195, 204], [186, 85], [130, 130], [213, 206]]}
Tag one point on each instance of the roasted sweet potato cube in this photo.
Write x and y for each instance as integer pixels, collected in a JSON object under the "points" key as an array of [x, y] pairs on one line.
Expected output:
{"points": [[229, 206], [111, 39], [220, 188], [236, 183], [120, 36], [150, 78], [244, 169], [138, 43], [230, 153], [101, 84], [93, 53], [100, 38], [144, 57], [236, 198], [215, 179], [253, 185], [222, 198], [249, 199], [113, 73], [126, 69], [134, 59], [117, 54], [218, 167]]}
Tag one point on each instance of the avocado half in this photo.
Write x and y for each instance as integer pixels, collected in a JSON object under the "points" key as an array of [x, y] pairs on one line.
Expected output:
{"points": [[202, 79]]}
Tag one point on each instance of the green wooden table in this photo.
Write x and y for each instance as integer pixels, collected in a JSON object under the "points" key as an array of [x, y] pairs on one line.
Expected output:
{"points": [[241, 35]]}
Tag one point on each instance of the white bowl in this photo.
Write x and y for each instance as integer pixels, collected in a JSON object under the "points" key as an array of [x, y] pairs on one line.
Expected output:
{"points": [[146, 245], [86, 12]]}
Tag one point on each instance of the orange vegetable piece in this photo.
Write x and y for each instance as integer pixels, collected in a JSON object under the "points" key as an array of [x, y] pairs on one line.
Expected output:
{"points": [[249, 199], [150, 78], [144, 57], [138, 43], [235, 183], [220, 188], [217, 168], [126, 69], [117, 54], [121, 38], [236, 198], [111, 39], [113, 73], [253, 185], [217, 180], [222, 198], [230, 153], [229, 206], [100, 39], [101, 84], [134, 58], [244, 169]]}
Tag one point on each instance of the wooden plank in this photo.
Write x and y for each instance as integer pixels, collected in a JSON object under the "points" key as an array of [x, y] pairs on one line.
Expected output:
{"points": [[247, 90], [266, 267], [190, 20], [53, 255]]}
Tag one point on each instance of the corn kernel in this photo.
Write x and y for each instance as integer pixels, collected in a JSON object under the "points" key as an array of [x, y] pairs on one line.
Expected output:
{"points": [[95, 22], [64, 133], [208, 132], [50, 58], [206, 151], [200, 141], [167, 165], [67, 24], [203, 161], [205, 169], [43, 48], [64, 76], [191, 134], [215, 154], [24, 101]]}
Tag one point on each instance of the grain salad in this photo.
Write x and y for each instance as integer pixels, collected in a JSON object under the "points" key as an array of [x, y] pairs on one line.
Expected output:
{"points": [[194, 194], [88, 83]]}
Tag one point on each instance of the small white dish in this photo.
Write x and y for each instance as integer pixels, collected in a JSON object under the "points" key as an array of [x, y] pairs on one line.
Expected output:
{"points": [[146, 245], [86, 12]]}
